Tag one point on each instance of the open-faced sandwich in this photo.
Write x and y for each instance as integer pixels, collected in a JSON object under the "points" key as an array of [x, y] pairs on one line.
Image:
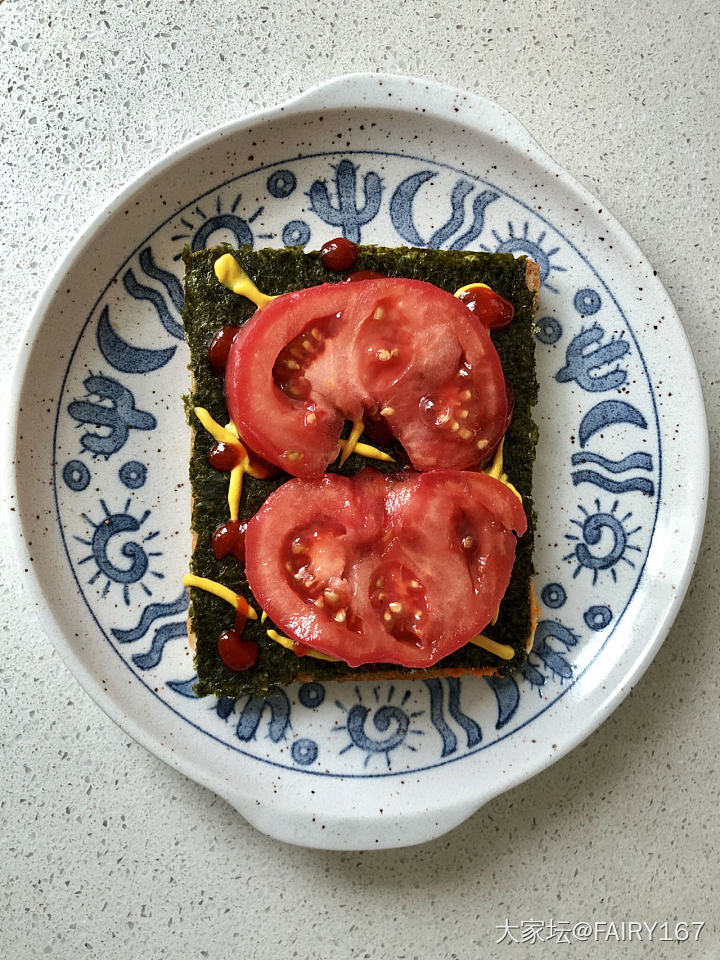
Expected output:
{"points": [[361, 464]]}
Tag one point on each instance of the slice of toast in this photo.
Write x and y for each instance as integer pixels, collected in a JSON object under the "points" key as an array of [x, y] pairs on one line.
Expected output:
{"points": [[209, 306]]}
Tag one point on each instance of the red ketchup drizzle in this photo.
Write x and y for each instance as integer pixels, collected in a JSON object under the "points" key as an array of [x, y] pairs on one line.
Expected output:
{"points": [[219, 349], [492, 310], [225, 456], [228, 538], [339, 254], [236, 653], [364, 275]]}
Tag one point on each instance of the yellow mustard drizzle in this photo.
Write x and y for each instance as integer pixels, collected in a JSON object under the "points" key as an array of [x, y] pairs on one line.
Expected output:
{"points": [[218, 590], [349, 445], [501, 650], [231, 275], [353, 445], [469, 287], [290, 645], [372, 453], [496, 470], [229, 436]]}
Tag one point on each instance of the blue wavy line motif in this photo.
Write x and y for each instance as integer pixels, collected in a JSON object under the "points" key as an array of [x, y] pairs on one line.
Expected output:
{"points": [[457, 203], [507, 695], [168, 631], [480, 204], [167, 279], [183, 687], [634, 461], [471, 728], [613, 486], [122, 355], [437, 717], [141, 292], [150, 614]]}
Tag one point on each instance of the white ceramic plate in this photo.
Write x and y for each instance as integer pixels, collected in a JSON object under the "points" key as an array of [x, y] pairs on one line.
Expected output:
{"points": [[99, 464]]}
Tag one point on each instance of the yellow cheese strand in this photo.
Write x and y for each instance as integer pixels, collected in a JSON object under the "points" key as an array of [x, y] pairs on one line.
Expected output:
{"points": [[231, 275], [218, 590]]}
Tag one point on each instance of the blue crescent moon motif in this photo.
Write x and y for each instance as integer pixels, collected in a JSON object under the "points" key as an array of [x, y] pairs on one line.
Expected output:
{"points": [[122, 355], [401, 204], [607, 412]]}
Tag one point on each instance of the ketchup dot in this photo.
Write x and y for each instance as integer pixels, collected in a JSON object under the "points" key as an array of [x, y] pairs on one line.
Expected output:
{"points": [[339, 254], [229, 537], [493, 311], [219, 349], [364, 275], [224, 456], [236, 653]]}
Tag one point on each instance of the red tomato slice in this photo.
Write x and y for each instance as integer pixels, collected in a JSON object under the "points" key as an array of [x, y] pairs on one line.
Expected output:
{"points": [[310, 360], [374, 568]]}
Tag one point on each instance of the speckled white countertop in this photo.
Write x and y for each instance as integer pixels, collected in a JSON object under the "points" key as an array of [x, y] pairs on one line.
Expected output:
{"points": [[106, 851]]}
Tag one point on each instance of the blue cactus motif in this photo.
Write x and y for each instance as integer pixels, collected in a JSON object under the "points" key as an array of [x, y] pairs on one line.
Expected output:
{"points": [[585, 354], [119, 417], [549, 658], [346, 213]]}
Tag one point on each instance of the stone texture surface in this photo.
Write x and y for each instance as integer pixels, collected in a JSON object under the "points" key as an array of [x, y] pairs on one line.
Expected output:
{"points": [[105, 851]]}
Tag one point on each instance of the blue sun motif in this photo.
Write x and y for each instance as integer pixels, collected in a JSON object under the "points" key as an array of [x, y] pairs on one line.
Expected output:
{"points": [[104, 531], [522, 243], [226, 224], [386, 717], [593, 526]]}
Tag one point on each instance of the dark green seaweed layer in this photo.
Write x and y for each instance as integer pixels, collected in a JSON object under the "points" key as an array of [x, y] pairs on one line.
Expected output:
{"points": [[209, 306]]}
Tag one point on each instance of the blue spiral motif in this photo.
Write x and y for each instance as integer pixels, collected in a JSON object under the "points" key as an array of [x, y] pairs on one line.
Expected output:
{"points": [[304, 752], [281, 183], [553, 595], [296, 233], [133, 474], [383, 718], [592, 532], [112, 526], [76, 475], [598, 617], [549, 330], [311, 695], [587, 301]]}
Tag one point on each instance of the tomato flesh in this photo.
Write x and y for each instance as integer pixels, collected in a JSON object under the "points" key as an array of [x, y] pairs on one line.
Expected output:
{"points": [[402, 568], [393, 349]]}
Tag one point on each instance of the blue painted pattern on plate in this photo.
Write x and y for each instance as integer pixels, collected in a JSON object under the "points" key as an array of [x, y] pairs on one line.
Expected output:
{"points": [[119, 481]]}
